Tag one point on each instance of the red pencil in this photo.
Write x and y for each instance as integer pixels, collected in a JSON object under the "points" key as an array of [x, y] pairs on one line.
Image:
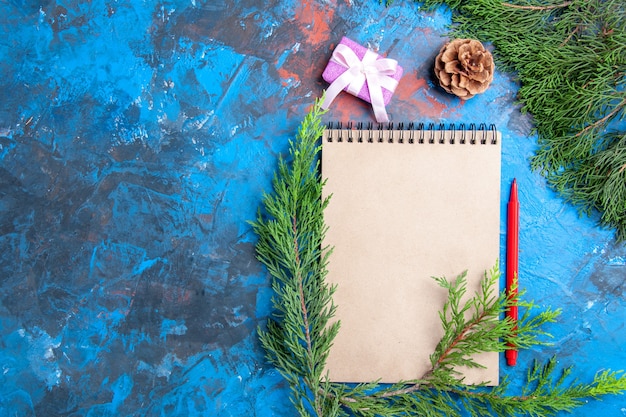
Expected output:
{"points": [[512, 251]]}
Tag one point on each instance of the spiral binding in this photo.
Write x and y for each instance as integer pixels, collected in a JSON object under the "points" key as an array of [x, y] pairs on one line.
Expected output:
{"points": [[412, 133]]}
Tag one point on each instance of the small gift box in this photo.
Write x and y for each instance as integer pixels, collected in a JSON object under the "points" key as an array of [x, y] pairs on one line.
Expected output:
{"points": [[363, 73]]}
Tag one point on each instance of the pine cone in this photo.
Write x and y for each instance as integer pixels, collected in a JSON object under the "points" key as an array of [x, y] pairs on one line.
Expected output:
{"points": [[464, 68]]}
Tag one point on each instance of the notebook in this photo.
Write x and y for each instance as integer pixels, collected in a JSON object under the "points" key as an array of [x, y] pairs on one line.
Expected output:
{"points": [[408, 203]]}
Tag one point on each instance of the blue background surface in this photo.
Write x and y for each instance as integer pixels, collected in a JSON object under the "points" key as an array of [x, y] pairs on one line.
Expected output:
{"points": [[136, 140]]}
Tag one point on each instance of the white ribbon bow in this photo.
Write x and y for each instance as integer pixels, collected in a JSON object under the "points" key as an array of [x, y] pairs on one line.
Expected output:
{"points": [[377, 73]]}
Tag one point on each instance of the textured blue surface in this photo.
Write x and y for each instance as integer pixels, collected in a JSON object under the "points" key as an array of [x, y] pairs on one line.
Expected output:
{"points": [[136, 139]]}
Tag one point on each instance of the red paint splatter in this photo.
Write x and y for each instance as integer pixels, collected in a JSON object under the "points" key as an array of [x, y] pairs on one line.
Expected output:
{"points": [[412, 92], [286, 75], [348, 107], [313, 19]]}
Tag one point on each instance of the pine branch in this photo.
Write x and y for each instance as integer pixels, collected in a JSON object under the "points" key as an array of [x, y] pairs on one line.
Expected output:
{"points": [[547, 391], [550, 7], [477, 326], [599, 183], [601, 122], [470, 327], [291, 231]]}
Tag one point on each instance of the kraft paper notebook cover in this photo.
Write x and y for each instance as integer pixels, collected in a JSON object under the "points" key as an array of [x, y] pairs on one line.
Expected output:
{"points": [[406, 205]]}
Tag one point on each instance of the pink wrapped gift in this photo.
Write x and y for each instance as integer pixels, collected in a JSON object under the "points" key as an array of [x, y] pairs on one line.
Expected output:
{"points": [[363, 73]]}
